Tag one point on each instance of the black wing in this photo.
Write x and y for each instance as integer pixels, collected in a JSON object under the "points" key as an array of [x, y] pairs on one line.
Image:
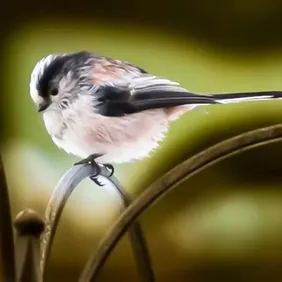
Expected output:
{"points": [[144, 93]]}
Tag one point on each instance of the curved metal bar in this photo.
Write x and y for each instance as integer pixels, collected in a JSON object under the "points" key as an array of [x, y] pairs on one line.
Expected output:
{"points": [[137, 239], [171, 180], [6, 231], [56, 205]]}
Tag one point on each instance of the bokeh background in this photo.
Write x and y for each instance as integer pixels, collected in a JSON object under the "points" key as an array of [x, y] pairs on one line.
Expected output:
{"points": [[224, 224]]}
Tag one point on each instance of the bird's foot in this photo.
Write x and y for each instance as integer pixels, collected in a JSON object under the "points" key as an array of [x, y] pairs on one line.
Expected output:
{"points": [[94, 178], [111, 168], [91, 160]]}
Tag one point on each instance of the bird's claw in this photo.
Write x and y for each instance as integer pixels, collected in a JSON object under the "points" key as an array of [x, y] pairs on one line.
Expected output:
{"points": [[96, 181], [94, 178], [91, 161], [110, 168]]}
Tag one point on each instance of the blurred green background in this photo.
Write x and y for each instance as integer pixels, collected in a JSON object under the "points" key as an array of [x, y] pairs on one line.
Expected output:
{"points": [[224, 224]]}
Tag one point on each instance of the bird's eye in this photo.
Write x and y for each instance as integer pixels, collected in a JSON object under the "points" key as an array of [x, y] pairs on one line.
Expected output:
{"points": [[54, 91]]}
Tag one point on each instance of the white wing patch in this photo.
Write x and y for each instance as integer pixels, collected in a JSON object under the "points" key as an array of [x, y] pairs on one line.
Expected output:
{"points": [[154, 83]]}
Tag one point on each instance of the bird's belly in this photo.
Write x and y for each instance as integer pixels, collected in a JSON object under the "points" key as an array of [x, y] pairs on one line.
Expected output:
{"points": [[120, 139]]}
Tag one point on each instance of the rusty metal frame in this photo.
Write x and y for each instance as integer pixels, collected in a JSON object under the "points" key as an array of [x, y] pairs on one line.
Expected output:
{"points": [[28, 264]]}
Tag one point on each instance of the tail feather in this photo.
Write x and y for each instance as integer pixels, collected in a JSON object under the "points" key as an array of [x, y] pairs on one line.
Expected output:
{"points": [[229, 98], [247, 96]]}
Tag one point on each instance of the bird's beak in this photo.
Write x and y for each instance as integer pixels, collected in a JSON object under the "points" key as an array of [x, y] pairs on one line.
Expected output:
{"points": [[43, 106]]}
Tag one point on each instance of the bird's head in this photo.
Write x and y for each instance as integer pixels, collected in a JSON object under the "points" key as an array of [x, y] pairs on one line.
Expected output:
{"points": [[57, 79]]}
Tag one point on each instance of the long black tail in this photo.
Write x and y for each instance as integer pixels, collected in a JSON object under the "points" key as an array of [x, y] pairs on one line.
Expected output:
{"points": [[227, 98]]}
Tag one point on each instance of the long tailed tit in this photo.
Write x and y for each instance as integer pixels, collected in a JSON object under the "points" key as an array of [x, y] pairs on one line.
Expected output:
{"points": [[100, 108]]}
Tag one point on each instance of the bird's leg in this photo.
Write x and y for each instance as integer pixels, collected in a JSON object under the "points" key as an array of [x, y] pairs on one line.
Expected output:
{"points": [[91, 160]]}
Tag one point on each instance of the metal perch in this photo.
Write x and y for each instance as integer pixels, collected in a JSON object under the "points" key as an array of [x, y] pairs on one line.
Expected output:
{"points": [[171, 180], [58, 201], [24, 266]]}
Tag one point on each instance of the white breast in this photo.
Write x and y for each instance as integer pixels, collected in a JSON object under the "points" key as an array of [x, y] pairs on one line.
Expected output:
{"points": [[80, 131]]}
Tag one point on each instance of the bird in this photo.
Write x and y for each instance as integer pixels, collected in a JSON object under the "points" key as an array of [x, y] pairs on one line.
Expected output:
{"points": [[107, 111]]}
